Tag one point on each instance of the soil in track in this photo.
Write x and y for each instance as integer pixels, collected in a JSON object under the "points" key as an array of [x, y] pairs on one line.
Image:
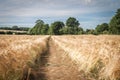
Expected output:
{"points": [[37, 71], [60, 66], [54, 64]]}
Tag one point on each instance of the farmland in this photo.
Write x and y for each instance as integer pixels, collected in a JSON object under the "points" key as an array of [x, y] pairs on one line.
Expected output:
{"points": [[2, 31], [68, 57]]}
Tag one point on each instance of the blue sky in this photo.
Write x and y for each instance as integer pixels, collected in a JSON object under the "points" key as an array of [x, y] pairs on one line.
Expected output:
{"points": [[25, 12]]}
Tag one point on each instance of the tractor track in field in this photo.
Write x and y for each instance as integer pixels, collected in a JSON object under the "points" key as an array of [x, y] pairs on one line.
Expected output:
{"points": [[53, 64]]}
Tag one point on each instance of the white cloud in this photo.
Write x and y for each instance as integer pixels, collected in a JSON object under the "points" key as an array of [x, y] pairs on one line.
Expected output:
{"points": [[88, 1], [12, 10], [45, 12]]}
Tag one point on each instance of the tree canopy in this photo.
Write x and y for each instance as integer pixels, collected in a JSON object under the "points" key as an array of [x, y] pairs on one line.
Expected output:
{"points": [[72, 25], [114, 25], [39, 28], [56, 26], [102, 28], [72, 22]]}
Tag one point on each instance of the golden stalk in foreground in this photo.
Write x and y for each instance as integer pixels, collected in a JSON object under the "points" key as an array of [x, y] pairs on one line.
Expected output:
{"points": [[17, 53], [93, 57], [97, 56]]}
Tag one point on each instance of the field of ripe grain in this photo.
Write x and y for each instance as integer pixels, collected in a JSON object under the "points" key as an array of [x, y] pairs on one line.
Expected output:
{"points": [[18, 53], [67, 57], [97, 57]]}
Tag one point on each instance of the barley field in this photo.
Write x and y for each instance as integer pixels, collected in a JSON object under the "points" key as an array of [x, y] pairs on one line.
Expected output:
{"points": [[98, 57], [18, 53], [67, 57]]}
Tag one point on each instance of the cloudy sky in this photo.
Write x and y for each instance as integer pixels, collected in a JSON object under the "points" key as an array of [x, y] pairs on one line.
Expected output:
{"points": [[26, 12]]}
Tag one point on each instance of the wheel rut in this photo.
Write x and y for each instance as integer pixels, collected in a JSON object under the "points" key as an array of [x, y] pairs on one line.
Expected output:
{"points": [[53, 64]]}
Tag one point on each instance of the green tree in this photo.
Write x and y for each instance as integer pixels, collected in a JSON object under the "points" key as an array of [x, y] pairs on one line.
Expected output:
{"points": [[91, 31], [45, 29], [79, 30], [39, 28], [39, 22], [114, 25], [64, 30], [72, 22], [56, 28], [15, 27], [73, 25], [69, 30], [101, 28]]}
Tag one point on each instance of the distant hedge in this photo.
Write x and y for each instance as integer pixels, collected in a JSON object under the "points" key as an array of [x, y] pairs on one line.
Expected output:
{"points": [[10, 32]]}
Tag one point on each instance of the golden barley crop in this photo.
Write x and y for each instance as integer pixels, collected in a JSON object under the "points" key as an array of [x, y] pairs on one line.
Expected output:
{"points": [[18, 52], [73, 57], [98, 57]]}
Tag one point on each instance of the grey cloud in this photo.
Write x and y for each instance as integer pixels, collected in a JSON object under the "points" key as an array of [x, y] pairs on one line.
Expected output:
{"points": [[59, 4], [54, 8]]}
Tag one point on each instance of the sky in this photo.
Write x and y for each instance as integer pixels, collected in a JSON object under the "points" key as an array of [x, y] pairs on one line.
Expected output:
{"points": [[89, 13]]}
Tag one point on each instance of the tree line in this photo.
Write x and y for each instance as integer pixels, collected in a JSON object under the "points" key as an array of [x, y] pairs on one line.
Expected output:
{"points": [[15, 27], [14, 30], [72, 26], [57, 28]]}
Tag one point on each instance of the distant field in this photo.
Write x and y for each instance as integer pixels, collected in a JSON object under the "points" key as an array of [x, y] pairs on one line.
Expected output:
{"points": [[68, 57], [11, 31]]}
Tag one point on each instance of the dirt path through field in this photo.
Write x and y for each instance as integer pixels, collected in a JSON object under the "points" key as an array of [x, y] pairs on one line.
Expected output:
{"points": [[54, 64], [60, 66]]}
